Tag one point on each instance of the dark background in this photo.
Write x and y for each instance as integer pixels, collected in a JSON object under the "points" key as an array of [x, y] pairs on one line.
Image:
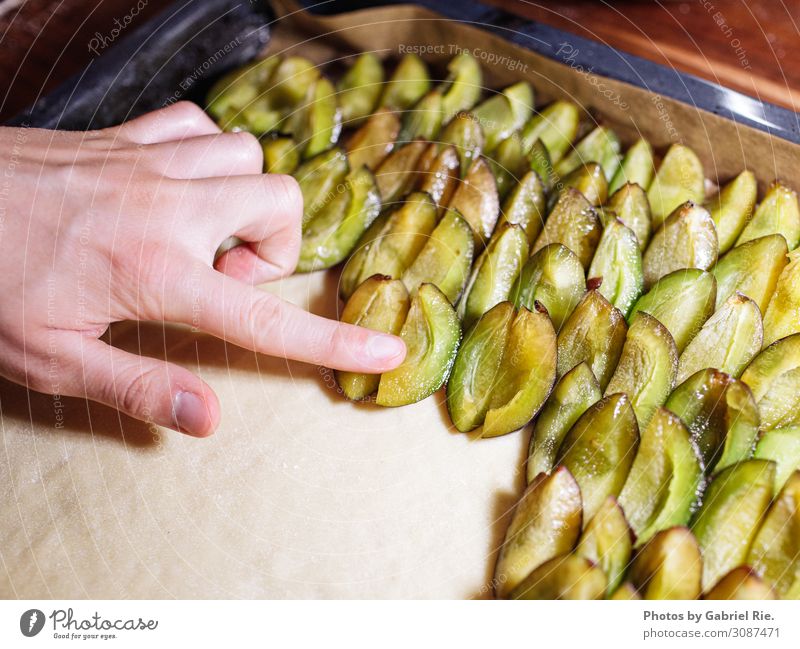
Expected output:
{"points": [[749, 45]]}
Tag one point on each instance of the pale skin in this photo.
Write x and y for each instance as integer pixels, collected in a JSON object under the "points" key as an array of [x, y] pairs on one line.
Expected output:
{"points": [[124, 224]]}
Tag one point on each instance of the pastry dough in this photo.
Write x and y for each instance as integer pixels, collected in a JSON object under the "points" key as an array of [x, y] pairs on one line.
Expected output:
{"points": [[299, 494]]}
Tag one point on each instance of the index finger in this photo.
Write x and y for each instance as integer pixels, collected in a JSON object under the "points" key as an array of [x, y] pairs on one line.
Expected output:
{"points": [[257, 320]]}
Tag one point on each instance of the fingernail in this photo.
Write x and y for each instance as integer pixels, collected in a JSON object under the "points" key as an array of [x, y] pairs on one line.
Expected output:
{"points": [[385, 348], [189, 413]]}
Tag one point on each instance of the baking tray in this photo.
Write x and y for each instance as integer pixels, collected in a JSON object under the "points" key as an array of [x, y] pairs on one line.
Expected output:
{"points": [[174, 55], [300, 493]]}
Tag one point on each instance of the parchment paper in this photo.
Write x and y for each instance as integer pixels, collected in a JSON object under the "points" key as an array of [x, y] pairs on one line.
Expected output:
{"points": [[300, 493]]}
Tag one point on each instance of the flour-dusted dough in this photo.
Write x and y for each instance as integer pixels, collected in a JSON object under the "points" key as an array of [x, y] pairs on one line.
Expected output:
{"points": [[300, 493]]}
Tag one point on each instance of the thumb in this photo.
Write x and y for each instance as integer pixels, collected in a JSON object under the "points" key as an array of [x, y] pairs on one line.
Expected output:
{"points": [[145, 388]]}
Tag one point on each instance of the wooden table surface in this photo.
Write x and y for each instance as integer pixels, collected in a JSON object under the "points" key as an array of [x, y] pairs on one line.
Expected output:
{"points": [[749, 45]]}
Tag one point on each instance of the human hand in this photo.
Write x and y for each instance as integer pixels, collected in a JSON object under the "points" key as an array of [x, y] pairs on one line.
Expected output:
{"points": [[123, 224]]}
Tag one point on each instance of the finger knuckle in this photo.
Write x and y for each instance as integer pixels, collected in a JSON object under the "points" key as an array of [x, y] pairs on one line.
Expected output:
{"points": [[286, 191], [247, 149], [138, 274], [262, 314], [189, 111], [133, 388]]}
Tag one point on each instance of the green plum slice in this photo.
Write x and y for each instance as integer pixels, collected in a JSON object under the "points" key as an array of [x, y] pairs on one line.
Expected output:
{"points": [[618, 263], [528, 372], [332, 233], [317, 123], [662, 487], [741, 583], [778, 406], [398, 173], [686, 239], [408, 83], [774, 378], [573, 394], [391, 243], [359, 89], [752, 269], [601, 146], [599, 449], [607, 541], [438, 173], [781, 446], [476, 370], [374, 140], [494, 273], [380, 303], [279, 90], [782, 317], [680, 179], [432, 333], [290, 82], [778, 213], [647, 367], [625, 592], [238, 88], [590, 180], [637, 167], [595, 333], [541, 162], [461, 90], [568, 577], [721, 415], [520, 95], [281, 155], [732, 208], [668, 566], [729, 517], [504, 371], [319, 178], [445, 259], [682, 301], [477, 200], [553, 276], [466, 135], [509, 163], [574, 223], [496, 117], [771, 363], [728, 341], [504, 112], [741, 424], [423, 121], [556, 126], [258, 118], [525, 206], [775, 552], [546, 523], [630, 205]]}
